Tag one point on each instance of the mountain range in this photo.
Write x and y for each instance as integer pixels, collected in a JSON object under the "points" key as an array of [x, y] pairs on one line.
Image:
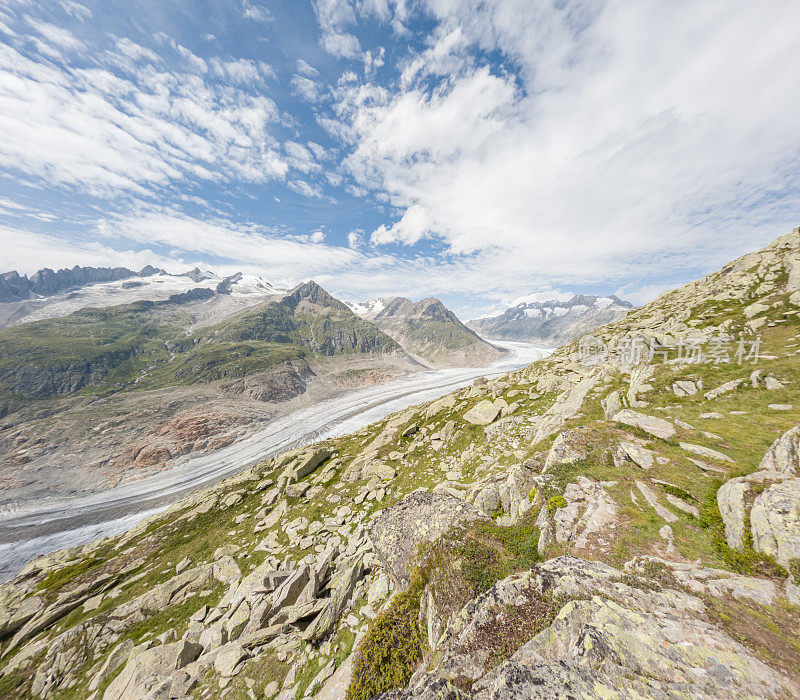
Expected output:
{"points": [[604, 524], [429, 331], [552, 323], [167, 365]]}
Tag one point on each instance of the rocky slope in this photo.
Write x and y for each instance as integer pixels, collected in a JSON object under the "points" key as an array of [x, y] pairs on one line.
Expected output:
{"points": [[428, 330], [602, 523], [552, 323], [103, 393]]}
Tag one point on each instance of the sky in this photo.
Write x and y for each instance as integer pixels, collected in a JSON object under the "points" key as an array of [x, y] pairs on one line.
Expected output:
{"points": [[479, 151]]}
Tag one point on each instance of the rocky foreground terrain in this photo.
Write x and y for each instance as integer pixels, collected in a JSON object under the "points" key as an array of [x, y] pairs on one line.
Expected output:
{"points": [[619, 520]]}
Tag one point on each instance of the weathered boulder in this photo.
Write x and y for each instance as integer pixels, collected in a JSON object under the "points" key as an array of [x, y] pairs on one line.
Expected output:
{"points": [[306, 462], [341, 589], [657, 427], [567, 448], [631, 452], [484, 412], [784, 454], [421, 516], [775, 521], [147, 670], [588, 518], [705, 452], [725, 388]]}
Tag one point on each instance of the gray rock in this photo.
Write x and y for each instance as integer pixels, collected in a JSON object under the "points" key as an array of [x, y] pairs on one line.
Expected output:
{"points": [[725, 388], [484, 412], [609, 639], [706, 452], [228, 658], [147, 670], [784, 454], [775, 521], [341, 589], [306, 462], [567, 448], [657, 427], [118, 656], [336, 686], [630, 451], [420, 517]]}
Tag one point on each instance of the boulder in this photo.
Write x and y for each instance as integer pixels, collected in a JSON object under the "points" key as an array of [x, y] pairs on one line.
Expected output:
{"points": [[784, 454], [228, 658], [306, 462], [341, 589], [567, 448], [725, 388], [657, 427], [147, 670], [706, 452], [421, 516], [484, 412], [775, 521], [631, 452]]}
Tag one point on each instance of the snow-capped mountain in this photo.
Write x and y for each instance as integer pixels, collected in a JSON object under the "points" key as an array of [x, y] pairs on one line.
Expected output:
{"points": [[49, 294], [369, 309], [552, 322]]}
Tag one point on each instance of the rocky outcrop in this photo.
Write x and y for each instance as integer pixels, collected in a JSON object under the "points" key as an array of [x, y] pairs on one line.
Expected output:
{"points": [[766, 503], [420, 517], [573, 628], [657, 427]]}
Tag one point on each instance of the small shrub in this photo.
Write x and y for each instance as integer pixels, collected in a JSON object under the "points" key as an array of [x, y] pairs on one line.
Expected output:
{"points": [[391, 649], [556, 502]]}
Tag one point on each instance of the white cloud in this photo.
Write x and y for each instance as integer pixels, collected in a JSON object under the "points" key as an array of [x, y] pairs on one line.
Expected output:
{"points": [[306, 88], [306, 68], [341, 45], [76, 9], [305, 189], [300, 158], [605, 154], [334, 17], [355, 239], [256, 13], [56, 35], [91, 129], [241, 71]]}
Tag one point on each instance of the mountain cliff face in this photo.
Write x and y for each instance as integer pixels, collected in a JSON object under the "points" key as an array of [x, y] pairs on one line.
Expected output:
{"points": [[552, 323], [429, 330], [621, 519]]}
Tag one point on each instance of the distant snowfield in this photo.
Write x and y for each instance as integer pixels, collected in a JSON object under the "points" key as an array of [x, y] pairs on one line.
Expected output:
{"points": [[44, 526], [151, 288]]}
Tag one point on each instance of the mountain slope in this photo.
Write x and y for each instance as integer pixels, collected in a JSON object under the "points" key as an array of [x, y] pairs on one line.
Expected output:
{"points": [[552, 323], [600, 523], [429, 330], [145, 364]]}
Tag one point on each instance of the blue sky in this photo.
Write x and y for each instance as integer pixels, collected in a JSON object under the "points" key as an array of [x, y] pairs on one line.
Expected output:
{"points": [[477, 151]]}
